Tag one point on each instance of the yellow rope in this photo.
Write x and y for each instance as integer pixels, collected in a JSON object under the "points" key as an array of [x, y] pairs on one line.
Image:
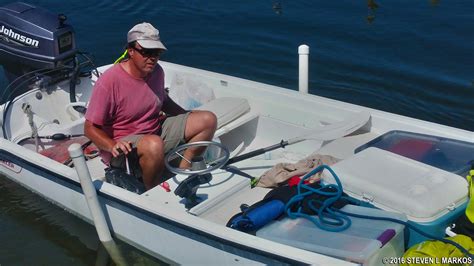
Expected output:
{"points": [[121, 57]]}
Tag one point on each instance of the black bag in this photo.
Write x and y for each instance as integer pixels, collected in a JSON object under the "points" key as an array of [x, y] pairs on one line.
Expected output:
{"points": [[310, 202], [464, 226], [120, 178]]}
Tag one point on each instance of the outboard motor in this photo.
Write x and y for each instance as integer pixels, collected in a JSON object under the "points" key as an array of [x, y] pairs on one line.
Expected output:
{"points": [[36, 42]]}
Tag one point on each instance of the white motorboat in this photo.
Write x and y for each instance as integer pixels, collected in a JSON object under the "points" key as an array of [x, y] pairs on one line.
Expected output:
{"points": [[43, 113]]}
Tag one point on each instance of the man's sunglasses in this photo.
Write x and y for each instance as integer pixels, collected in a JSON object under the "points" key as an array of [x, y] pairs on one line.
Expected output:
{"points": [[148, 52]]}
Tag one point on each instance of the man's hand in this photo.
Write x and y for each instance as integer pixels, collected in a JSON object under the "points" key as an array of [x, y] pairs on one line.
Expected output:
{"points": [[104, 142], [121, 147]]}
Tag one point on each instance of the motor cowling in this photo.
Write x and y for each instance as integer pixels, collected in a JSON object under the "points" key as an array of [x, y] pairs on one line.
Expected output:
{"points": [[32, 38]]}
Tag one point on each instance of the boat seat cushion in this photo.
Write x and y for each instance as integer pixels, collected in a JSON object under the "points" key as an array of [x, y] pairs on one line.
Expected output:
{"points": [[226, 109]]}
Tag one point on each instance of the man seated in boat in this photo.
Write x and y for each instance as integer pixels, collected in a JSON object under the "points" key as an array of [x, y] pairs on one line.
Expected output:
{"points": [[130, 115]]}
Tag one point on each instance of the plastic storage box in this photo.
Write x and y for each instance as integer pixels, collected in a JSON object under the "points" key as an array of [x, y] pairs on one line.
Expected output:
{"points": [[448, 154], [430, 197], [359, 243]]}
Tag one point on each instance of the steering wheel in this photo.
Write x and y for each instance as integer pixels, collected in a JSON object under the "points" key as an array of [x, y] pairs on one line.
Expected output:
{"points": [[210, 164]]}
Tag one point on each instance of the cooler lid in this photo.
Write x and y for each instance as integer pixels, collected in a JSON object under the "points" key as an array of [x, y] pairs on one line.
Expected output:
{"points": [[393, 182], [451, 155]]}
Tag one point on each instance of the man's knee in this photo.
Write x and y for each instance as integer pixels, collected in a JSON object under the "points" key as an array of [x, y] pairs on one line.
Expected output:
{"points": [[208, 120], [151, 145]]}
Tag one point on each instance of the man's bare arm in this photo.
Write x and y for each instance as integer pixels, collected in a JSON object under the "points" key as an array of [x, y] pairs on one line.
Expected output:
{"points": [[103, 141]]}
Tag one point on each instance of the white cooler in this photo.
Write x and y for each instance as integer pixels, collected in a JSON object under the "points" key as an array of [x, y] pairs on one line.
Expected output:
{"points": [[430, 197]]}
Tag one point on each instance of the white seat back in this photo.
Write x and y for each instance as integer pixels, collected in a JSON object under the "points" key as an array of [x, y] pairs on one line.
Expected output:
{"points": [[226, 109]]}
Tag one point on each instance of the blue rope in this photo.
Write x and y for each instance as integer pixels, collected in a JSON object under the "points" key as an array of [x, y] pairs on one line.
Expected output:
{"points": [[326, 219], [334, 220]]}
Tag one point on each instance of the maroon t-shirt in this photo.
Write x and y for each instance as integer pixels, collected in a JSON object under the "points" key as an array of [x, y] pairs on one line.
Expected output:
{"points": [[124, 105]]}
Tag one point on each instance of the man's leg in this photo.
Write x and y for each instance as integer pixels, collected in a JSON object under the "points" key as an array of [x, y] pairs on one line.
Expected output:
{"points": [[200, 126], [150, 150]]}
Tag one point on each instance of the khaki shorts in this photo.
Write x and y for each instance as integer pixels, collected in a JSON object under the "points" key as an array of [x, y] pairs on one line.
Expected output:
{"points": [[172, 133]]}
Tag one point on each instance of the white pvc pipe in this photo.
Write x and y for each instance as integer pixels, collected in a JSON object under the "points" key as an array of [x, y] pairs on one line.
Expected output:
{"points": [[75, 151], [303, 51]]}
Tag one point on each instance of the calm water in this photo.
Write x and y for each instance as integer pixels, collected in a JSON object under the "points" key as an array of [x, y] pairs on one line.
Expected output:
{"points": [[414, 58]]}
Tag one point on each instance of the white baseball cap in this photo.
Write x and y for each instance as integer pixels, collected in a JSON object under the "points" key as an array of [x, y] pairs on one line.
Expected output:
{"points": [[146, 35]]}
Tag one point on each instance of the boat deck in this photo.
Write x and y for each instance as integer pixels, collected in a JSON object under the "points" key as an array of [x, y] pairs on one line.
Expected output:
{"points": [[223, 196]]}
